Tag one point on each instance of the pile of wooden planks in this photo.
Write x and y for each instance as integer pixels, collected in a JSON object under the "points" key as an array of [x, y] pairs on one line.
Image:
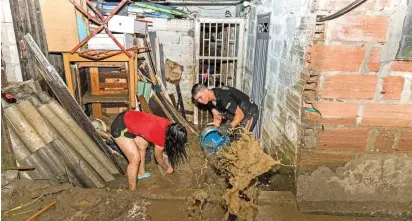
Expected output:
{"points": [[160, 98]]}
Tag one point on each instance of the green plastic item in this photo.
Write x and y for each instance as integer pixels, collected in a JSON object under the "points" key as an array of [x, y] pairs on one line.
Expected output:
{"points": [[159, 8], [313, 110], [145, 89]]}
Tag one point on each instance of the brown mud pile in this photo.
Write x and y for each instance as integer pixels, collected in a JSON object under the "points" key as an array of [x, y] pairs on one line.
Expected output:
{"points": [[241, 163]]}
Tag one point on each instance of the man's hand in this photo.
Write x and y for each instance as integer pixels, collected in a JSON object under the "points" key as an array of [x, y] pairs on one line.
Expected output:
{"points": [[225, 129]]}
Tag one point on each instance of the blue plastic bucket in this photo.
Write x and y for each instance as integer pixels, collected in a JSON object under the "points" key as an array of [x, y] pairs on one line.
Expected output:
{"points": [[211, 141]]}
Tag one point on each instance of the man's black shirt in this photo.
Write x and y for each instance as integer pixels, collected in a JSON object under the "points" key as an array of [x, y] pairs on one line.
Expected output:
{"points": [[227, 101]]}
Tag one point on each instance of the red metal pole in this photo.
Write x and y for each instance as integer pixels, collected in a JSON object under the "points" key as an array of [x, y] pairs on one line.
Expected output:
{"points": [[87, 39], [89, 16]]}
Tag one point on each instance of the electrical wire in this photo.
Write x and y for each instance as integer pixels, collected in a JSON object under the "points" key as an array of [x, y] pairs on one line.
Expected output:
{"points": [[341, 12]]}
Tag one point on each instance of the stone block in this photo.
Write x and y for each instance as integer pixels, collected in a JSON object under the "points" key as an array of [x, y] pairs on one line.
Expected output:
{"points": [[384, 141], [336, 57], [392, 87], [371, 184], [349, 86], [358, 28], [310, 160], [387, 115]]}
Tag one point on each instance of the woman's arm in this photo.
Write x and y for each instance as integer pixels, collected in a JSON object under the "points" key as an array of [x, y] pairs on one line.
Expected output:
{"points": [[158, 151]]}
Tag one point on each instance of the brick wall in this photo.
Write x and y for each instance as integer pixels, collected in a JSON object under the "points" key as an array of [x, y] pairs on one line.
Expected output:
{"points": [[362, 93]]}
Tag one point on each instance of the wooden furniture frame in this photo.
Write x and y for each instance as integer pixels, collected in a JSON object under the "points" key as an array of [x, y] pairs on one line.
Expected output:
{"points": [[71, 78]]}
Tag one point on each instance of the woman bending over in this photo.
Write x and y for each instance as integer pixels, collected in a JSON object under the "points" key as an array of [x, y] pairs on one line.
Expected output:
{"points": [[132, 131]]}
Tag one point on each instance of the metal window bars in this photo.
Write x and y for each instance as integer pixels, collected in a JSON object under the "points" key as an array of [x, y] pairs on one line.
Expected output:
{"points": [[219, 55]]}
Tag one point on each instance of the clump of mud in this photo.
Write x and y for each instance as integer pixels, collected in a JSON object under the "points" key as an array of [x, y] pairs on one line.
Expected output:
{"points": [[241, 163]]}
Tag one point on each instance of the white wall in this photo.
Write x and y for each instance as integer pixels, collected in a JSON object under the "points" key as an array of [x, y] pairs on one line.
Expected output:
{"points": [[177, 37], [9, 45]]}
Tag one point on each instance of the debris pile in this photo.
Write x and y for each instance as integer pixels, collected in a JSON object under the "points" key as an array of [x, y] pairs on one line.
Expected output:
{"points": [[241, 163], [45, 136]]}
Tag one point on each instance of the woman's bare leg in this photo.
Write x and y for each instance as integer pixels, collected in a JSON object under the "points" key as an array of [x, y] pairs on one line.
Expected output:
{"points": [[142, 146], [130, 149]]}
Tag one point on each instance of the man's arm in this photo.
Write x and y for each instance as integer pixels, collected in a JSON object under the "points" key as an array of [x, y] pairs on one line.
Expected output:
{"points": [[217, 118], [239, 115]]}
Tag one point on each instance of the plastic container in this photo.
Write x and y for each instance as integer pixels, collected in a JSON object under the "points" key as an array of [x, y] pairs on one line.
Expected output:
{"points": [[211, 141]]}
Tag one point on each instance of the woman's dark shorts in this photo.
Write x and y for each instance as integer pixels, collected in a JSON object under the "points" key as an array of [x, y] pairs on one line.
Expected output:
{"points": [[118, 128]]}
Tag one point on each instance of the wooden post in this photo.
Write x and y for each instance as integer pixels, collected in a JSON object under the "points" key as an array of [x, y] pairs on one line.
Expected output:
{"points": [[132, 86], [95, 90], [68, 73]]}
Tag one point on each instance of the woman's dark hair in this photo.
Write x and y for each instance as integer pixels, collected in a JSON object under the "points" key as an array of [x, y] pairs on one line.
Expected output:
{"points": [[176, 138]]}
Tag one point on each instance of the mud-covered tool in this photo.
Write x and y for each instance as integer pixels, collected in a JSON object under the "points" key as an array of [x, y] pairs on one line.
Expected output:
{"points": [[212, 141]]}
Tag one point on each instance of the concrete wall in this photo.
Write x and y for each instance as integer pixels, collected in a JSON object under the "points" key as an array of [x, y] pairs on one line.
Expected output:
{"points": [[9, 45], [177, 37]]}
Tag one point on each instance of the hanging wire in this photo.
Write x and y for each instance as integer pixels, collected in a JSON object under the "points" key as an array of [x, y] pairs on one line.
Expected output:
{"points": [[341, 12]]}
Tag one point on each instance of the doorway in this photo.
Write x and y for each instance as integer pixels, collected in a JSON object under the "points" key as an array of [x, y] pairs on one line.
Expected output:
{"points": [[259, 68]]}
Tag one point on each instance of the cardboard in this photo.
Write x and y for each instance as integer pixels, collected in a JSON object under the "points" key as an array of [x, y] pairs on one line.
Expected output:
{"points": [[59, 20]]}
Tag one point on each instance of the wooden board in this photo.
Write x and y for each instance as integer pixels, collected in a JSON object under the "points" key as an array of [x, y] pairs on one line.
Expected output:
{"points": [[110, 98], [144, 104], [59, 20]]}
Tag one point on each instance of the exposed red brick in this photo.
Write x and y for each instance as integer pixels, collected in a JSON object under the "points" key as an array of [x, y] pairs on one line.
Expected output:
{"points": [[392, 87], [387, 115], [384, 141], [346, 139], [359, 28], [349, 86], [336, 57], [405, 142], [403, 66], [314, 159], [331, 5], [336, 113], [374, 63]]}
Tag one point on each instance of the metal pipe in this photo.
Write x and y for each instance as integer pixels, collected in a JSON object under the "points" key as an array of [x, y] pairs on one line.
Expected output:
{"points": [[24, 157], [78, 131], [71, 138]]}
